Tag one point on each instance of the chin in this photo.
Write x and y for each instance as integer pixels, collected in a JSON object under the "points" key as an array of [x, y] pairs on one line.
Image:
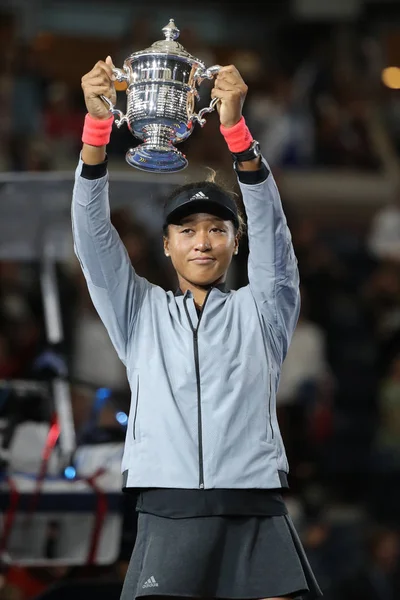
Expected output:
{"points": [[203, 276], [204, 281]]}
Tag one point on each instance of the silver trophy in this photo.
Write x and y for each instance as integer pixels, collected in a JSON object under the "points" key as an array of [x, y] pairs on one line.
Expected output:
{"points": [[161, 99]]}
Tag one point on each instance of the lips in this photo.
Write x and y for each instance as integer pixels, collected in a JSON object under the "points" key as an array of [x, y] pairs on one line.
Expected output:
{"points": [[203, 260]]}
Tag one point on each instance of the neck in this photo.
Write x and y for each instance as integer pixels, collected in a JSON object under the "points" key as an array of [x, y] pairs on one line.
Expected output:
{"points": [[199, 292]]}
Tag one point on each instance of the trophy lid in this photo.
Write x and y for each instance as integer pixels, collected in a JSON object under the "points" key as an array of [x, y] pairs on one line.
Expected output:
{"points": [[169, 46]]}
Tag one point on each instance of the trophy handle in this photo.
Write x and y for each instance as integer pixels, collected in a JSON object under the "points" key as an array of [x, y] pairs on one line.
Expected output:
{"points": [[199, 76], [120, 76], [202, 73]]}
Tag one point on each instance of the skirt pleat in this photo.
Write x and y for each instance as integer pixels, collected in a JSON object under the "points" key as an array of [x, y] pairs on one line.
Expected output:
{"points": [[219, 557]]}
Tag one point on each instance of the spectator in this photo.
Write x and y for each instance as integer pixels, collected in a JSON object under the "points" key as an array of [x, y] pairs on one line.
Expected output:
{"points": [[381, 295], [342, 131], [94, 360], [9, 363], [316, 536], [303, 387], [323, 273], [378, 579], [62, 122], [387, 441], [20, 318], [282, 127], [305, 366], [384, 234], [27, 103]]}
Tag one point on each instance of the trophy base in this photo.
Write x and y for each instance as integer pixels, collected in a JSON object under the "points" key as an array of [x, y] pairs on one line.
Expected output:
{"points": [[154, 159]]}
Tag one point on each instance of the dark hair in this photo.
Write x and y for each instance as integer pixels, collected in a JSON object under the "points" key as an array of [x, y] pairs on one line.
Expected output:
{"points": [[208, 183]]}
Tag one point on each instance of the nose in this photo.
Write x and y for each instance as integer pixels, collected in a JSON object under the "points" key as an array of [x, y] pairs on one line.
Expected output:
{"points": [[202, 242]]}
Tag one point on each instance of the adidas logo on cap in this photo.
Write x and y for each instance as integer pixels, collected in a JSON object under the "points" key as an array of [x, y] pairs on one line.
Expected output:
{"points": [[199, 196], [151, 582]]}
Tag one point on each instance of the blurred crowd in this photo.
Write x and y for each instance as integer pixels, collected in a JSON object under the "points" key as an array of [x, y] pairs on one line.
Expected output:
{"points": [[312, 97], [339, 396]]}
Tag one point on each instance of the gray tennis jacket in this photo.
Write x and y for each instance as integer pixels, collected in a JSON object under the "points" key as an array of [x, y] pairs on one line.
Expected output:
{"points": [[203, 403]]}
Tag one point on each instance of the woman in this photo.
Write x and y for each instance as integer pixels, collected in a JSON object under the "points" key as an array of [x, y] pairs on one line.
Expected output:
{"points": [[203, 446]]}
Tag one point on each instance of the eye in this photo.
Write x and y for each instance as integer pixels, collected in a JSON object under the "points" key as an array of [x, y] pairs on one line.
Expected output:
{"points": [[218, 230], [187, 230]]}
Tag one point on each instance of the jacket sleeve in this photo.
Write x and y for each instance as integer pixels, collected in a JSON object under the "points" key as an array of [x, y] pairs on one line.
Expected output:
{"points": [[115, 289], [272, 265]]}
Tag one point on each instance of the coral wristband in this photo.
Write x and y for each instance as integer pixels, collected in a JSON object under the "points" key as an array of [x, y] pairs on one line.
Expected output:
{"points": [[97, 132], [238, 137]]}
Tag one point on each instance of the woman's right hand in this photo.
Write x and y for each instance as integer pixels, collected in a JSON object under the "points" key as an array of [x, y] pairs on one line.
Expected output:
{"points": [[99, 82]]}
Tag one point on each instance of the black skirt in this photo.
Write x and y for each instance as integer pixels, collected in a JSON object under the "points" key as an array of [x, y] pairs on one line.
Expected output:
{"points": [[238, 557]]}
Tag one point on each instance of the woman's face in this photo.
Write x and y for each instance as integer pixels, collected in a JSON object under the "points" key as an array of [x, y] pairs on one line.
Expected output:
{"points": [[201, 248]]}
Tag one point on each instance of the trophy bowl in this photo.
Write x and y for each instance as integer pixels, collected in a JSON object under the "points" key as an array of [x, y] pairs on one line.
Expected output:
{"points": [[161, 98]]}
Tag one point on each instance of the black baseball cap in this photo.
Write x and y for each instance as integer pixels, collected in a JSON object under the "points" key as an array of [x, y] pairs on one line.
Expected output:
{"points": [[207, 199]]}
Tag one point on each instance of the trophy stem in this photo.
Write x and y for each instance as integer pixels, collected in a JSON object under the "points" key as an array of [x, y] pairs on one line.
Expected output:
{"points": [[157, 154]]}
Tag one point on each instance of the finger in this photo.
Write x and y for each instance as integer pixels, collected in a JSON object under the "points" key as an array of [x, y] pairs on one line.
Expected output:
{"points": [[99, 90], [107, 68], [217, 93], [230, 93], [109, 62], [230, 74], [96, 81], [227, 76], [223, 84], [232, 79], [96, 73], [229, 69]]}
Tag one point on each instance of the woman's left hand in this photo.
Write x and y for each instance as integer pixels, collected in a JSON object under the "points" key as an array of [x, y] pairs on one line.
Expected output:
{"points": [[230, 88]]}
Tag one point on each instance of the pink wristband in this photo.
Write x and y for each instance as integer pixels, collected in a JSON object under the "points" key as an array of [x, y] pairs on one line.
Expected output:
{"points": [[97, 132], [238, 137]]}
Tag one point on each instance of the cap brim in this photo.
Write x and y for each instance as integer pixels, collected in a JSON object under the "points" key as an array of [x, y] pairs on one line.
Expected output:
{"points": [[202, 206]]}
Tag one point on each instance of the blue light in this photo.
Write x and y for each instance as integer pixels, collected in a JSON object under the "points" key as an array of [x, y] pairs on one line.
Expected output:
{"points": [[122, 418], [103, 393], [70, 472]]}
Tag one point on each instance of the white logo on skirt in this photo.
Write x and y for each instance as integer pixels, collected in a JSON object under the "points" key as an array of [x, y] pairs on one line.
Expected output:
{"points": [[151, 582]]}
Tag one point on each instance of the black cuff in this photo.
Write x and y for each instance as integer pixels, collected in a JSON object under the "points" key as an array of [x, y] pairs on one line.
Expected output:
{"points": [[253, 177], [94, 171]]}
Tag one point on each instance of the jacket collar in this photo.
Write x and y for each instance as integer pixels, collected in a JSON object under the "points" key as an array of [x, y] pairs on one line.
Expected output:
{"points": [[222, 287]]}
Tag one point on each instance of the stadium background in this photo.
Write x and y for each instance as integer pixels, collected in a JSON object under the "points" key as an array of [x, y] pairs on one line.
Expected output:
{"points": [[324, 80]]}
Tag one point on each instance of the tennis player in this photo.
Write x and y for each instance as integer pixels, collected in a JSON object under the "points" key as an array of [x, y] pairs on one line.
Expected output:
{"points": [[203, 448]]}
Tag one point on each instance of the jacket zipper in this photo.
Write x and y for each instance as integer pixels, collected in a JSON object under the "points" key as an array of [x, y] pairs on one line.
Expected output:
{"points": [[136, 410], [195, 331], [269, 405]]}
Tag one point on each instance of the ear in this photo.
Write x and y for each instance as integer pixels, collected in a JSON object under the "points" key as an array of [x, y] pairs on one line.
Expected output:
{"points": [[166, 246], [236, 248]]}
